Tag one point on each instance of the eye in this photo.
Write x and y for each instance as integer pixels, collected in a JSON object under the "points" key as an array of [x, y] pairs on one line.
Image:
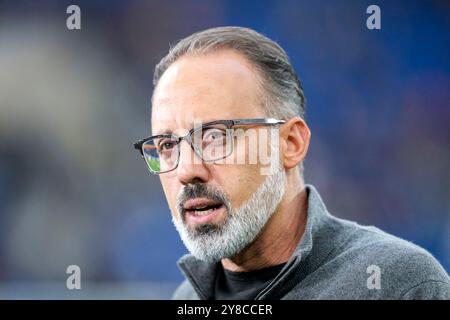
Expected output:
{"points": [[213, 134], [166, 145]]}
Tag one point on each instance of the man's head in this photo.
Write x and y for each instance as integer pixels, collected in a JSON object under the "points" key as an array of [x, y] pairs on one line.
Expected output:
{"points": [[281, 93], [226, 73]]}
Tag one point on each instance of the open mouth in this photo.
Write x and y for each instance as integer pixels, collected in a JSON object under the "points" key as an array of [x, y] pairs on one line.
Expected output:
{"points": [[202, 210], [201, 206]]}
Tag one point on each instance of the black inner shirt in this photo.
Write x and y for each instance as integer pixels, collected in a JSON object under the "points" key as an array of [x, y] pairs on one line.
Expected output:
{"points": [[243, 285]]}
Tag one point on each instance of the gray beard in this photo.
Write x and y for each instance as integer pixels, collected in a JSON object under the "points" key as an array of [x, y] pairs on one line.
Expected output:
{"points": [[242, 225]]}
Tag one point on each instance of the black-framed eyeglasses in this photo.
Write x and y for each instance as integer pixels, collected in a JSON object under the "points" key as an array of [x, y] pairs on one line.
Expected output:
{"points": [[211, 141]]}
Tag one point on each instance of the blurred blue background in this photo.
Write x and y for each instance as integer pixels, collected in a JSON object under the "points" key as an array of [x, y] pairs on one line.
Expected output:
{"points": [[73, 190]]}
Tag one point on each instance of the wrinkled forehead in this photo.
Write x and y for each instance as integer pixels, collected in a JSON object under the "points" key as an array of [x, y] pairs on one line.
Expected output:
{"points": [[199, 89]]}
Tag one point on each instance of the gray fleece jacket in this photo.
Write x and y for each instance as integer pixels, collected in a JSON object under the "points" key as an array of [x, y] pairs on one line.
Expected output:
{"points": [[337, 259]]}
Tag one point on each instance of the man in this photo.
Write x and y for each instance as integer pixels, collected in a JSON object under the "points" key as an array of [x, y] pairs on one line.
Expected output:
{"points": [[254, 233]]}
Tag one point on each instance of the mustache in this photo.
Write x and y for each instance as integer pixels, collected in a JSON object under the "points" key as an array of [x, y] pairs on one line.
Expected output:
{"points": [[201, 190]]}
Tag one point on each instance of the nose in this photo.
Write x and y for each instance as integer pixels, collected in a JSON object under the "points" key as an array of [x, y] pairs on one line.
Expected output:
{"points": [[191, 168]]}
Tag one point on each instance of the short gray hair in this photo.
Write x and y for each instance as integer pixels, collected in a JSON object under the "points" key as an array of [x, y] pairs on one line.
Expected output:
{"points": [[283, 96]]}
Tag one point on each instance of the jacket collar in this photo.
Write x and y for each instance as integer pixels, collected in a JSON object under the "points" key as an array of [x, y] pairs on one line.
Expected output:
{"points": [[305, 258]]}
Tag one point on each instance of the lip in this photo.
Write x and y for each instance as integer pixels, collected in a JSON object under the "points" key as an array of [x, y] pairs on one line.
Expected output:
{"points": [[198, 202], [204, 219], [195, 217]]}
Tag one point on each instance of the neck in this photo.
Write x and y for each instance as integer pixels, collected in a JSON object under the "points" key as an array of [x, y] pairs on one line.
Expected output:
{"points": [[281, 235]]}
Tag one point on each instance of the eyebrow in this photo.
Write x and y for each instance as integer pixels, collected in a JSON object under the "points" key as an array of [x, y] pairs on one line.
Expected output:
{"points": [[166, 131], [170, 131]]}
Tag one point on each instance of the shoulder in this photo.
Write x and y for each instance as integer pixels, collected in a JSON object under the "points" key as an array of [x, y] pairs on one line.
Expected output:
{"points": [[396, 253], [406, 270], [185, 291]]}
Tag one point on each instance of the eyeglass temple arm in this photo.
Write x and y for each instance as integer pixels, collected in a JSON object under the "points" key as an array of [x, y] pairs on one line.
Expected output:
{"points": [[258, 121], [138, 146]]}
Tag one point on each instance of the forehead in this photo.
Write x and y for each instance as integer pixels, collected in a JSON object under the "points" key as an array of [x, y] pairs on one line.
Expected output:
{"points": [[201, 88]]}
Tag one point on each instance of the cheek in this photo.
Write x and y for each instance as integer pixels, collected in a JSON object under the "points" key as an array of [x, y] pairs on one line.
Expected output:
{"points": [[239, 182], [171, 192]]}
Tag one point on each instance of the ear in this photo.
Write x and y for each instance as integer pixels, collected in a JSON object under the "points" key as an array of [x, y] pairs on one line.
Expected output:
{"points": [[294, 141]]}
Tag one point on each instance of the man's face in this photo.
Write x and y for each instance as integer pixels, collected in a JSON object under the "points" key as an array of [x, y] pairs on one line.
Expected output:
{"points": [[217, 86]]}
